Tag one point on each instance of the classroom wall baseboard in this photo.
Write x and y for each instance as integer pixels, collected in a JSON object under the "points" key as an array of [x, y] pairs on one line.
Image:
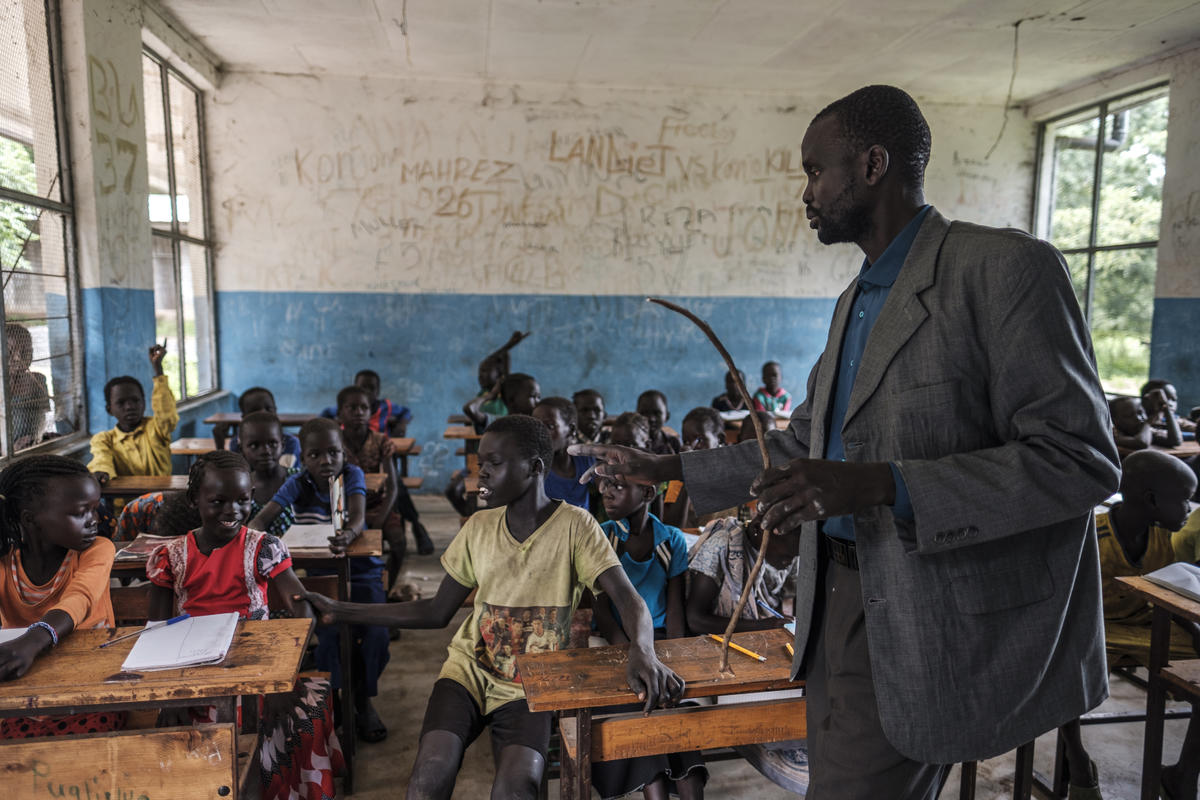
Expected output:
{"points": [[1173, 347], [305, 346]]}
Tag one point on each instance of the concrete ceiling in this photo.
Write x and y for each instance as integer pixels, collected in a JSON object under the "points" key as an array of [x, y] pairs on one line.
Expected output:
{"points": [[943, 49]]}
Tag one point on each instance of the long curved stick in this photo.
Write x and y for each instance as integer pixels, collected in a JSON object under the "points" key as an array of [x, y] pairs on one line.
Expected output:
{"points": [[762, 450]]}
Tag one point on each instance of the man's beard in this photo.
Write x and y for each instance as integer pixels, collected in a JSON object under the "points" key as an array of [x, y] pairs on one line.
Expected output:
{"points": [[846, 219]]}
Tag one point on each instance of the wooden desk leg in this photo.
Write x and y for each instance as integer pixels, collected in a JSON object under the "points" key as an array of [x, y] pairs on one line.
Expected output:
{"points": [[1156, 700], [966, 780], [226, 709], [1023, 777], [583, 778], [346, 648], [566, 765]]}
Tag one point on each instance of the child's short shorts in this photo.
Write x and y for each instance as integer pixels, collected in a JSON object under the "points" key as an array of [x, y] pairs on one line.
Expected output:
{"points": [[452, 708]]}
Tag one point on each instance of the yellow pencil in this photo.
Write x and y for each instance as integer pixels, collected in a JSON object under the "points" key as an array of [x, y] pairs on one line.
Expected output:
{"points": [[739, 648], [791, 652]]}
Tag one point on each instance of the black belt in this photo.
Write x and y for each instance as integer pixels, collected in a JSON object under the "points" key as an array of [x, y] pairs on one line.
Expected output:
{"points": [[843, 551]]}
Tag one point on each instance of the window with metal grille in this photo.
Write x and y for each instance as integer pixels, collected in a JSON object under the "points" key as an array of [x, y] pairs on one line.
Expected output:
{"points": [[1100, 202], [182, 247], [42, 373]]}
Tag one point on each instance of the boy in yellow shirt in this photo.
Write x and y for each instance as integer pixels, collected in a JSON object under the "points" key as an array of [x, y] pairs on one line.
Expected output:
{"points": [[529, 557], [138, 445]]}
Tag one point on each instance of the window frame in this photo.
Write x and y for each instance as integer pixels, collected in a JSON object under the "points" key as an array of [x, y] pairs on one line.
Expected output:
{"points": [[1044, 173], [66, 207], [175, 237]]}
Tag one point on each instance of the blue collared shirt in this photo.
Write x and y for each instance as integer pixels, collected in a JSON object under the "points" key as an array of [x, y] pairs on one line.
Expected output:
{"points": [[874, 283]]}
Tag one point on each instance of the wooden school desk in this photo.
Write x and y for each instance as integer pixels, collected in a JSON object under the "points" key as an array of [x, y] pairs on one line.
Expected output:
{"points": [[370, 543], [136, 485], [574, 682], [1181, 677], [235, 418], [78, 677], [461, 432], [1186, 450]]}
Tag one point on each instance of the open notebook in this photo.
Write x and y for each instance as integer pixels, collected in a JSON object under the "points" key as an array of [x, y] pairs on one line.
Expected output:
{"points": [[315, 536], [190, 643], [1180, 577]]}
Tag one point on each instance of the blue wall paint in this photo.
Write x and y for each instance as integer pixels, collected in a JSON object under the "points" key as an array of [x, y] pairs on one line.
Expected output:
{"points": [[118, 329], [1174, 353], [305, 346]]}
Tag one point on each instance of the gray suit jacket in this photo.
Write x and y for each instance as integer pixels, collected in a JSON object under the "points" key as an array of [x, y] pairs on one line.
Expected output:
{"points": [[984, 617]]}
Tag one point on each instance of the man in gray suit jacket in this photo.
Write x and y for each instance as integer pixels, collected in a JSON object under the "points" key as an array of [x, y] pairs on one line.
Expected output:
{"points": [[942, 470]]}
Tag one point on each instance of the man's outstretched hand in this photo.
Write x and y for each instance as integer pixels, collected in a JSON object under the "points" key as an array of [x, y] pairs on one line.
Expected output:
{"points": [[634, 466]]}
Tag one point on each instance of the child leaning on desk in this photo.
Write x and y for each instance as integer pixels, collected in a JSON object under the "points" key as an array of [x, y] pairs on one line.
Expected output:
{"points": [[306, 494], [223, 567], [529, 558], [54, 573]]}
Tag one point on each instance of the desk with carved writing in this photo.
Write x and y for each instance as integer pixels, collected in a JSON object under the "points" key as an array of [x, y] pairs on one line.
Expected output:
{"points": [[574, 682]]}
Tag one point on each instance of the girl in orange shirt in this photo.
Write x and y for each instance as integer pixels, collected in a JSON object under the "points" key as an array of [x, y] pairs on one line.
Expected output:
{"points": [[54, 575]]}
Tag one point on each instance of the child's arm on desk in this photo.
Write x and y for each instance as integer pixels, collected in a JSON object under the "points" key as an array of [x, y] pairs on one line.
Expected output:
{"points": [[17, 656], [653, 682], [435, 612], [703, 598]]}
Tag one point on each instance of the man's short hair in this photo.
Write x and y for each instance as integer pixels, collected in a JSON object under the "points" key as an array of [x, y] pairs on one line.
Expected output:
{"points": [[886, 116]]}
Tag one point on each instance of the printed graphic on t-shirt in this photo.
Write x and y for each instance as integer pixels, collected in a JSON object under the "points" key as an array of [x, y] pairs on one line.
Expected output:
{"points": [[507, 632]]}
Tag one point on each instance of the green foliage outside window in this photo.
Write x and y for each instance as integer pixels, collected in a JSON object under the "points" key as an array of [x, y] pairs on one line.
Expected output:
{"points": [[1120, 309]]}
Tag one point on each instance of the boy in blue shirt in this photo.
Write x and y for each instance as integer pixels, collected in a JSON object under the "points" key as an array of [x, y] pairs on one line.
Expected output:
{"points": [[654, 556], [307, 495]]}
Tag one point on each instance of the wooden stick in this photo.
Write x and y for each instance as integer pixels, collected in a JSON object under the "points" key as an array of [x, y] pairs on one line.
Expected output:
{"points": [[762, 450]]}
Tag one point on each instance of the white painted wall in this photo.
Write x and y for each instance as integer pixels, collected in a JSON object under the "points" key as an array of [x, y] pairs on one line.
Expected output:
{"points": [[382, 185]]}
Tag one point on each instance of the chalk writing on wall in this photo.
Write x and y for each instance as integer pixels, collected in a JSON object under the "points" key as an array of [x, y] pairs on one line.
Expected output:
{"points": [[117, 132], [436, 191]]}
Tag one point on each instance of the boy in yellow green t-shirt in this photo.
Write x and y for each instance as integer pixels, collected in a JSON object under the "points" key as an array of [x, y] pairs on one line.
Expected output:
{"points": [[530, 558], [138, 445]]}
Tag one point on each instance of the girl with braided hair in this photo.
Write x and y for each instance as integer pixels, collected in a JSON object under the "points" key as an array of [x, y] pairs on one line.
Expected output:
{"points": [[224, 566], [54, 573]]}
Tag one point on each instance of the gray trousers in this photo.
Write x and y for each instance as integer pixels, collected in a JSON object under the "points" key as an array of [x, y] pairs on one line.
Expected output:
{"points": [[849, 757]]}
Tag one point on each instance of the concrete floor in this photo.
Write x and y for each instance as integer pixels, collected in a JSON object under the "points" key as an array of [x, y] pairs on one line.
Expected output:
{"points": [[383, 769]]}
